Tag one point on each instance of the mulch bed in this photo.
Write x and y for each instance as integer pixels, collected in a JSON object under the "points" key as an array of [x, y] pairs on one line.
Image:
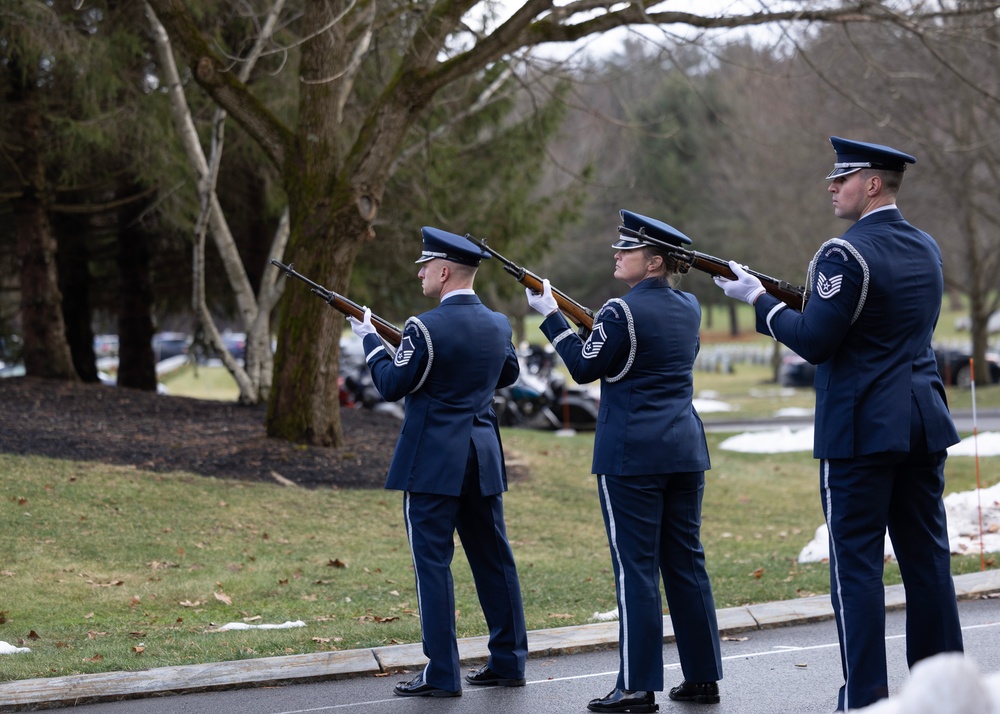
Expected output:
{"points": [[154, 432]]}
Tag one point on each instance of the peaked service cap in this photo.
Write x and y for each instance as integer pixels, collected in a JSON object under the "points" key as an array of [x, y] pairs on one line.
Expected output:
{"points": [[856, 155], [638, 230], [449, 246]]}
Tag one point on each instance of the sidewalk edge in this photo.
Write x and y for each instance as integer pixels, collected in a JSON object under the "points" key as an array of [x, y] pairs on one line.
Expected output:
{"points": [[44, 693]]}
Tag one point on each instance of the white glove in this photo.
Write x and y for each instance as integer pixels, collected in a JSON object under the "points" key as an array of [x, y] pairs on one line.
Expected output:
{"points": [[746, 287], [542, 302], [362, 327]]}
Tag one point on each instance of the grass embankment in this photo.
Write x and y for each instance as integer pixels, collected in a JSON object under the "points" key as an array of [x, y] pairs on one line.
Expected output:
{"points": [[107, 568], [113, 568]]}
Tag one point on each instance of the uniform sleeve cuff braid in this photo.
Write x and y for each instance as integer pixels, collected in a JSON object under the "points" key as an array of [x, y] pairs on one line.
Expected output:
{"points": [[561, 336], [774, 311]]}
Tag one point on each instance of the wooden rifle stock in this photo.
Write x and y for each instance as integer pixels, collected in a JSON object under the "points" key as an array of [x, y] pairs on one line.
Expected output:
{"points": [[385, 329], [578, 314], [795, 296]]}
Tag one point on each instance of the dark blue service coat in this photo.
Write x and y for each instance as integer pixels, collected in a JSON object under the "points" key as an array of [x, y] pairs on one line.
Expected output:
{"points": [[650, 456], [449, 461], [449, 364], [882, 432], [642, 349], [868, 323]]}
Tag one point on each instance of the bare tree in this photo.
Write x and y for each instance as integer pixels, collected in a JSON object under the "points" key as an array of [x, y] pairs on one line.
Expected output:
{"points": [[935, 90], [255, 375], [336, 159]]}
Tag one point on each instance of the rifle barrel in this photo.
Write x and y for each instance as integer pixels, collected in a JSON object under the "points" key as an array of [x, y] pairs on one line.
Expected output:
{"points": [[580, 315], [792, 295], [385, 329]]}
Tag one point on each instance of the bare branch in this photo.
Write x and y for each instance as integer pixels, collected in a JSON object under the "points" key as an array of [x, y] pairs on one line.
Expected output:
{"points": [[211, 215], [228, 92], [477, 106], [333, 22], [969, 82]]}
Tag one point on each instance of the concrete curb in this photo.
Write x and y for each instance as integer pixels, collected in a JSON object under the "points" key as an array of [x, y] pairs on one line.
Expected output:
{"points": [[30, 694]]}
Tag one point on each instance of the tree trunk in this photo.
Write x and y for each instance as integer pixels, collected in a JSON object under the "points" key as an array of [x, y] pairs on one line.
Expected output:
{"points": [[46, 353], [776, 361], [136, 364], [73, 264], [980, 283], [305, 363]]}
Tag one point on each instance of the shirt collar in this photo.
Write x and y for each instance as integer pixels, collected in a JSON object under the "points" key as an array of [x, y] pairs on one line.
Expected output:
{"points": [[460, 291], [890, 207]]}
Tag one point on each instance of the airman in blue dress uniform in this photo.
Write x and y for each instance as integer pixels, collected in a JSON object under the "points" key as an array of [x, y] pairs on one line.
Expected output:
{"points": [[882, 423], [650, 458], [449, 463]]}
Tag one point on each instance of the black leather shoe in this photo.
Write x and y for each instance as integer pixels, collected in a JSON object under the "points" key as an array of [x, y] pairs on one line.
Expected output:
{"points": [[417, 687], [697, 692], [621, 700], [485, 676]]}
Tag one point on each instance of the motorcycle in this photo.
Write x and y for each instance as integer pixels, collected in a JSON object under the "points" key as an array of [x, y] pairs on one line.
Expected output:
{"points": [[541, 399], [357, 390]]}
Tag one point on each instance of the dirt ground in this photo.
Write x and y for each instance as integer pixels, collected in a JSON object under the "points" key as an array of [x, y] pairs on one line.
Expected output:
{"points": [[153, 432]]}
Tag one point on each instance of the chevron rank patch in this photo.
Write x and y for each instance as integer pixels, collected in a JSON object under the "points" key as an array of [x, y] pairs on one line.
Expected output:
{"points": [[405, 352], [594, 343], [826, 287]]}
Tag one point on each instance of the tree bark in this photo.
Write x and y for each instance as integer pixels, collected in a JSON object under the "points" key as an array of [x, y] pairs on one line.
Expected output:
{"points": [[73, 265], [46, 352], [136, 363], [305, 404]]}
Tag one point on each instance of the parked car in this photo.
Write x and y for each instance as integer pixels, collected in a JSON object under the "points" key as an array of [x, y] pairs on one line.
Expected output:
{"points": [[992, 323], [953, 365], [10, 348], [236, 343], [105, 346], [170, 344], [795, 371]]}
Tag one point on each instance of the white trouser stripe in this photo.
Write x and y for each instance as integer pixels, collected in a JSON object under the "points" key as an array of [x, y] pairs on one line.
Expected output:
{"points": [[413, 559], [835, 569], [622, 607]]}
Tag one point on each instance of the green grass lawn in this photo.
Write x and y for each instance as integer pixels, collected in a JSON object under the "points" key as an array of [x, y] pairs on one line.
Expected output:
{"points": [[111, 568], [200, 382], [107, 568]]}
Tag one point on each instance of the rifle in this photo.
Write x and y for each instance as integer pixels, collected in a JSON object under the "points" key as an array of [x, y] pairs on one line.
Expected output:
{"points": [[385, 329], [795, 296], [578, 314]]}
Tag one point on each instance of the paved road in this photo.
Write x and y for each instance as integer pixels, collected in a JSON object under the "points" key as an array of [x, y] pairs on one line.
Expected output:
{"points": [[794, 670]]}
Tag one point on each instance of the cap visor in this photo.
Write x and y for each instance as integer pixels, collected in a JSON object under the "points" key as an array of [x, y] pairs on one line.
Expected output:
{"points": [[842, 172]]}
